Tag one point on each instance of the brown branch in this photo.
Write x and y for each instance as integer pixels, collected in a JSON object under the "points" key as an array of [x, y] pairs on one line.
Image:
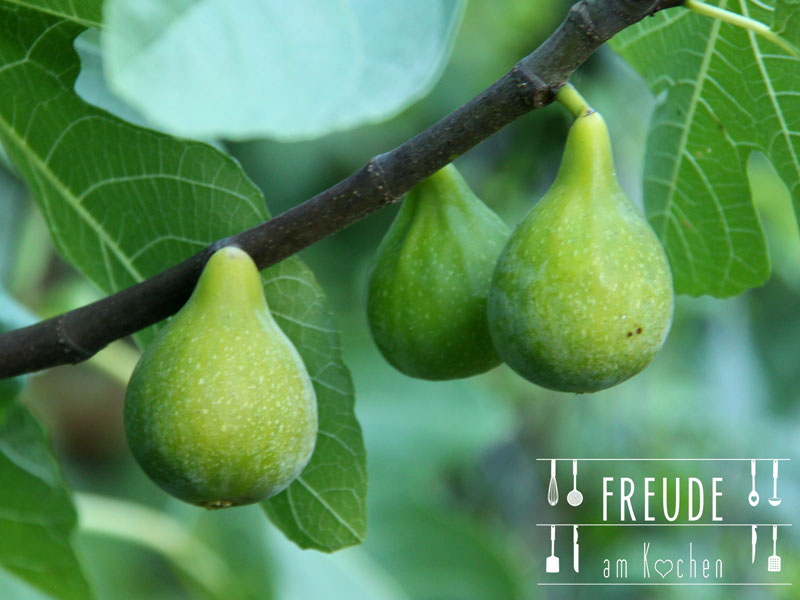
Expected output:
{"points": [[532, 83]]}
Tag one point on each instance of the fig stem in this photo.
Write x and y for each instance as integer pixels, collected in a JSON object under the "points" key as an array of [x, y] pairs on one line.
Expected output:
{"points": [[573, 101], [742, 22]]}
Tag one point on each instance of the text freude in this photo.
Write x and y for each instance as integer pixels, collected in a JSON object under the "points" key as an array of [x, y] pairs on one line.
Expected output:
{"points": [[670, 502]]}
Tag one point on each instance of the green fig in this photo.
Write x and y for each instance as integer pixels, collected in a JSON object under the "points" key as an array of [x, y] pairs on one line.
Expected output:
{"points": [[220, 410], [426, 304], [581, 297]]}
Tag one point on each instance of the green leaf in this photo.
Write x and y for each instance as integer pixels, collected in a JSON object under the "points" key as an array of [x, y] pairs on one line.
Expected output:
{"points": [[84, 12], [13, 206], [726, 92], [288, 70], [36, 513], [124, 203], [787, 20], [37, 517], [325, 507]]}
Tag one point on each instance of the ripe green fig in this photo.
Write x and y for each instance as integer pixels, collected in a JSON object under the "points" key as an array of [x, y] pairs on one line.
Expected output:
{"points": [[426, 304], [220, 410], [581, 297]]}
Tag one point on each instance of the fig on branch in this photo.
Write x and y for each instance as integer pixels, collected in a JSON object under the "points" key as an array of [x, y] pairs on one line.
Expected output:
{"points": [[220, 410], [581, 298], [426, 304]]}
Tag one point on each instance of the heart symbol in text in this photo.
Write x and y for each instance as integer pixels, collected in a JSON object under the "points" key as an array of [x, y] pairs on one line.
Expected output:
{"points": [[664, 570]]}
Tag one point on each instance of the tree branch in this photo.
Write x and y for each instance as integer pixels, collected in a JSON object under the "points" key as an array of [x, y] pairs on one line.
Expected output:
{"points": [[532, 83]]}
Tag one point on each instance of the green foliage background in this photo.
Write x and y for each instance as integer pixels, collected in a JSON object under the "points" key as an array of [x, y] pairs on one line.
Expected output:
{"points": [[455, 492]]}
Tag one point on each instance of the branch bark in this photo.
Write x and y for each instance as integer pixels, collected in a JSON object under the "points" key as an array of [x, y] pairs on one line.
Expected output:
{"points": [[532, 83]]}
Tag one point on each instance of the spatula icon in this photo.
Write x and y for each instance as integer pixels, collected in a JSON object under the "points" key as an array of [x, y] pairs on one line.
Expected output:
{"points": [[552, 565], [774, 564]]}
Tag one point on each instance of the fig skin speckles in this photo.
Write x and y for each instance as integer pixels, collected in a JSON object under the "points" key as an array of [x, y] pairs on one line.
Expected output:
{"points": [[220, 410], [581, 297], [426, 304]]}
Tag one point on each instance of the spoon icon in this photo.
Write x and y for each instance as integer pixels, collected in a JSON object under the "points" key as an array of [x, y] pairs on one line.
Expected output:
{"points": [[753, 497]]}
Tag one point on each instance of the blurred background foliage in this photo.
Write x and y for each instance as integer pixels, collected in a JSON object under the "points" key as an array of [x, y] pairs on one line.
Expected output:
{"points": [[455, 489]]}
